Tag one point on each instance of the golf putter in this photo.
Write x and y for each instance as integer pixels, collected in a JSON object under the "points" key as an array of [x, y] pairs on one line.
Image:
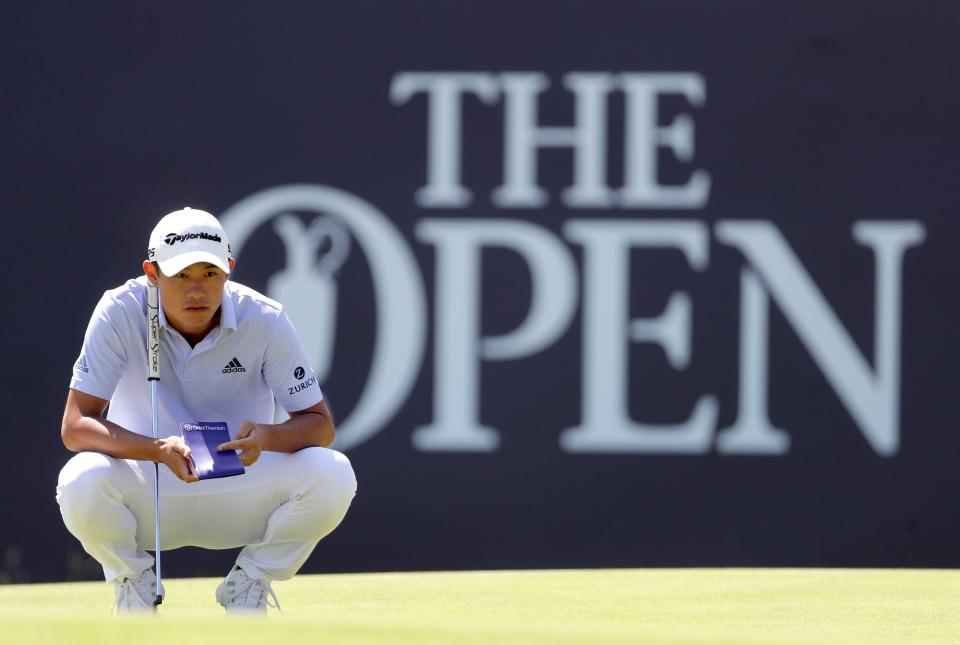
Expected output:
{"points": [[153, 375]]}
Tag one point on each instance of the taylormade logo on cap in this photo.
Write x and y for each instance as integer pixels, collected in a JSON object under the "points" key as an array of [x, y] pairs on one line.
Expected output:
{"points": [[186, 237], [173, 238]]}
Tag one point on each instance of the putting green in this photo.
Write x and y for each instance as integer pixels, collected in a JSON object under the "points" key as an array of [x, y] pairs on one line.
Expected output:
{"points": [[581, 606]]}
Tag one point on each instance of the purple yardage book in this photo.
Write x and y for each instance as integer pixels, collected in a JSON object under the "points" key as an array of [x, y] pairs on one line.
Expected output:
{"points": [[203, 437]]}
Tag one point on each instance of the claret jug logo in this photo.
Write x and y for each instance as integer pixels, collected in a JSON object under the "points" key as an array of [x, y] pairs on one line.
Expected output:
{"points": [[593, 292], [308, 289]]}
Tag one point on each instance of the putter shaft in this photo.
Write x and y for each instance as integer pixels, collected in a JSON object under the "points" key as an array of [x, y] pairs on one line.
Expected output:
{"points": [[153, 375], [156, 482]]}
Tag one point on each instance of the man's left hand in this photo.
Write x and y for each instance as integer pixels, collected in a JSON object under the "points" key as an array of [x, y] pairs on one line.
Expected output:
{"points": [[250, 441]]}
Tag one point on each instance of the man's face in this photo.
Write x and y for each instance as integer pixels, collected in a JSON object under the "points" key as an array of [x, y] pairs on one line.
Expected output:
{"points": [[191, 298]]}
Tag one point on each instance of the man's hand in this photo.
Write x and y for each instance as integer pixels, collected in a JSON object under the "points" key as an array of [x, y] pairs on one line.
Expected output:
{"points": [[175, 455], [250, 441]]}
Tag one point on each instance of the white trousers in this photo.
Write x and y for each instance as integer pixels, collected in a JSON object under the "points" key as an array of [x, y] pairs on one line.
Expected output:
{"points": [[278, 510]]}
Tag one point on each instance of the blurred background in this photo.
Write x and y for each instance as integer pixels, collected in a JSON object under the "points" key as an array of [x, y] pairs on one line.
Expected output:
{"points": [[589, 284]]}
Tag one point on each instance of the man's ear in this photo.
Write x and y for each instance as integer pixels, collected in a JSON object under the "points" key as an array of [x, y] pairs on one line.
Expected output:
{"points": [[150, 271], [233, 263]]}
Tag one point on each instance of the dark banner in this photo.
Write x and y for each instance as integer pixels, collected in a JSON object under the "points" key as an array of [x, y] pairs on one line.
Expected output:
{"points": [[585, 284]]}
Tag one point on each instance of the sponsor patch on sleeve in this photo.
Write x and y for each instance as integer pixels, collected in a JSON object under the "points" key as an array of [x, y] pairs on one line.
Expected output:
{"points": [[81, 364], [298, 374]]}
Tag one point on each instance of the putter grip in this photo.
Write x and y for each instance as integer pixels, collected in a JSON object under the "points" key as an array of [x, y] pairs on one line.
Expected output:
{"points": [[153, 333]]}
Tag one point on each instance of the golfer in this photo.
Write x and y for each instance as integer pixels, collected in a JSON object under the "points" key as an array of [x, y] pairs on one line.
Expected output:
{"points": [[226, 354]]}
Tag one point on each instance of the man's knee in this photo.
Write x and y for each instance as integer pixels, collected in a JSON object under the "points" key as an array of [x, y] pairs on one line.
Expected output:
{"points": [[325, 480], [83, 483], [332, 470]]}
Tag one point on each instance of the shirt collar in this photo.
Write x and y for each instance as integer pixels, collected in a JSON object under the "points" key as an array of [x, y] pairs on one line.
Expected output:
{"points": [[228, 314], [163, 319]]}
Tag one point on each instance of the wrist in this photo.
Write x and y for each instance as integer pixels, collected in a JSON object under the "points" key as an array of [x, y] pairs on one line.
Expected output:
{"points": [[265, 432], [155, 452]]}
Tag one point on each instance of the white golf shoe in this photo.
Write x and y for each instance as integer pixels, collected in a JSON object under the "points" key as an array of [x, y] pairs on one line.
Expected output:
{"points": [[240, 593], [135, 595]]}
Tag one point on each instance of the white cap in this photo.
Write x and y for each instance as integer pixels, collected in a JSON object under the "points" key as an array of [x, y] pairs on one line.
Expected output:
{"points": [[186, 237]]}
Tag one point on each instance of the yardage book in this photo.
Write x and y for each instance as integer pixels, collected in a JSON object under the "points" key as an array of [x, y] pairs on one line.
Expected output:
{"points": [[203, 437]]}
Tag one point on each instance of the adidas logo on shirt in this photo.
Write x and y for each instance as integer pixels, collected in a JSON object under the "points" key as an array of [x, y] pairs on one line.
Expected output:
{"points": [[233, 366], [81, 365]]}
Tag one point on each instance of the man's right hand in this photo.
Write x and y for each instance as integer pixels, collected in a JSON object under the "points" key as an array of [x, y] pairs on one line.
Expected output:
{"points": [[174, 454]]}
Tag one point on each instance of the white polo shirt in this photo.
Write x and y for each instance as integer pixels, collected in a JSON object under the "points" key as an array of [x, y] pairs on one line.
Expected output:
{"points": [[234, 374]]}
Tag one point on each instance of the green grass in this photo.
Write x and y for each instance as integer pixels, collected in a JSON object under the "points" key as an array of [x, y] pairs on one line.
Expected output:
{"points": [[611, 606]]}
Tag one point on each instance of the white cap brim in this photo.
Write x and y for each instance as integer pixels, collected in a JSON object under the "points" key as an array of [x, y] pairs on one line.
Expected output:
{"points": [[181, 261]]}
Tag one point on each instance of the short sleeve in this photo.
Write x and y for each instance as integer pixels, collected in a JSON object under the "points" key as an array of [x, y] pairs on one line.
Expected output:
{"points": [[286, 369], [104, 354]]}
